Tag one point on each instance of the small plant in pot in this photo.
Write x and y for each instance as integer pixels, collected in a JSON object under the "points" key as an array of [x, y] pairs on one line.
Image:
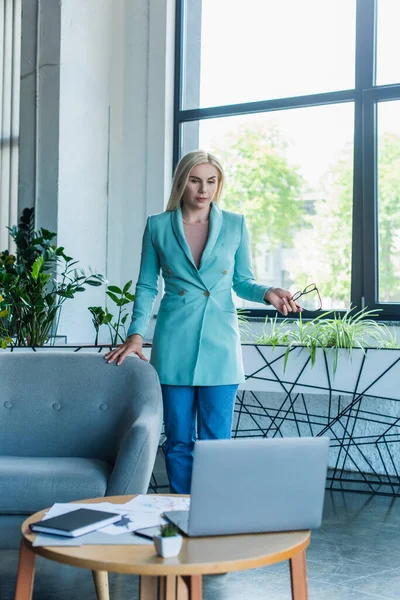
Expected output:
{"points": [[169, 541]]}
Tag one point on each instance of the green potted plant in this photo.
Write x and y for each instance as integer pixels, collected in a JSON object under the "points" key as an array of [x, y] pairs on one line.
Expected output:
{"points": [[34, 284], [101, 316], [169, 541], [337, 353], [350, 331], [5, 339]]}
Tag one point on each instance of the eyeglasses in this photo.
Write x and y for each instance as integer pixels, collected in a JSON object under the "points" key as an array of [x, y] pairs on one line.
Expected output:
{"points": [[312, 301]]}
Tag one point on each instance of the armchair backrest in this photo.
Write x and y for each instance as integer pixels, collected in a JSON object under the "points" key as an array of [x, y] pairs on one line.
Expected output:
{"points": [[71, 403]]}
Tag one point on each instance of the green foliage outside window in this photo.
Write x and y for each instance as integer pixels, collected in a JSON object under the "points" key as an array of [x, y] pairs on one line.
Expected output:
{"points": [[262, 184], [330, 228], [389, 217]]}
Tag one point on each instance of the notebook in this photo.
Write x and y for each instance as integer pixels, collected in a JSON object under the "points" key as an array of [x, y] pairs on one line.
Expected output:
{"points": [[254, 486], [76, 523]]}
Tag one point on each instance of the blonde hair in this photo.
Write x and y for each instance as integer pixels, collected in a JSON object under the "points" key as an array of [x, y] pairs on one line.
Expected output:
{"points": [[183, 170]]}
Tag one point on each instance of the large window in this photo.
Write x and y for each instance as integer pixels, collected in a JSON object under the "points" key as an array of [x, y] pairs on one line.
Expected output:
{"points": [[287, 95], [261, 49], [388, 42]]}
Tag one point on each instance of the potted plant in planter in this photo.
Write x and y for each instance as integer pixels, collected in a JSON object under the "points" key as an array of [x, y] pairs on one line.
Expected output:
{"points": [[327, 352], [35, 283], [353, 330], [169, 541]]}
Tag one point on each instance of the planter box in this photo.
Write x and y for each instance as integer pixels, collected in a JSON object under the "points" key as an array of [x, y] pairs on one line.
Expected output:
{"points": [[373, 372]]}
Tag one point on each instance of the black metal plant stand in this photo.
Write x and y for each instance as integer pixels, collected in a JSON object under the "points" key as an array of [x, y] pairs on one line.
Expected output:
{"points": [[364, 430]]}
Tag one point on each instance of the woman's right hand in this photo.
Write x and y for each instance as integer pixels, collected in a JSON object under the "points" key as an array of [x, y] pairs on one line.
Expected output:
{"points": [[133, 345]]}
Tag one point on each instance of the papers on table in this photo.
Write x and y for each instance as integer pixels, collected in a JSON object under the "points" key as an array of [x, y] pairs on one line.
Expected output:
{"points": [[145, 511], [142, 511]]}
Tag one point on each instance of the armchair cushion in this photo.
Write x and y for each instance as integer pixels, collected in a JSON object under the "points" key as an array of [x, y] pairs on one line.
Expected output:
{"points": [[29, 484]]}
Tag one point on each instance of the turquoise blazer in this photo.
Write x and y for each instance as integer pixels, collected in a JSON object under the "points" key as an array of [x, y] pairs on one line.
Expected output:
{"points": [[196, 339]]}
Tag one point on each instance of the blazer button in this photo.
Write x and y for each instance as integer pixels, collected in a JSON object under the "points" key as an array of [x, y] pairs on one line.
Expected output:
{"points": [[206, 293], [224, 272], [169, 271], [182, 293]]}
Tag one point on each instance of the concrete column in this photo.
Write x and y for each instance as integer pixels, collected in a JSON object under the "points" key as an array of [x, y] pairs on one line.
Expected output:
{"points": [[39, 114], [84, 126], [97, 146]]}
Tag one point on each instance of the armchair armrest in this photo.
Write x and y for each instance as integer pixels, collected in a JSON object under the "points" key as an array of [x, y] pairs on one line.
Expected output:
{"points": [[136, 456]]}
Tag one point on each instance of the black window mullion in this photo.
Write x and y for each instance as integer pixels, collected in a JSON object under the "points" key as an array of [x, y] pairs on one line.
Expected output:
{"points": [[369, 220], [364, 79], [178, 82], [263, 106]]}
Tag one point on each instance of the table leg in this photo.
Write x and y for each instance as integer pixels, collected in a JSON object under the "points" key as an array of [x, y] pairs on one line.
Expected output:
{"points": [[167, 587], [298, 576], [182, 588], [100, 579], [195, 586], [170, 587], [147, 587], [25, 574]]}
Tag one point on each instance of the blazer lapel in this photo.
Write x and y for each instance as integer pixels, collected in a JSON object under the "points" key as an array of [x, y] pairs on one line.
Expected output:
{"points": [[177, 227], [215, 228]]}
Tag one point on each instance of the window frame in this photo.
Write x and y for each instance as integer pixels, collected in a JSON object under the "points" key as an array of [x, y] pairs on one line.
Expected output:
{"points": [[365, 96], [371, 100]]}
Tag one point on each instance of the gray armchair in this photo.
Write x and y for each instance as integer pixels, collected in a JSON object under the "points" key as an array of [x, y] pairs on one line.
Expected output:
{"points": [[73, 427]]}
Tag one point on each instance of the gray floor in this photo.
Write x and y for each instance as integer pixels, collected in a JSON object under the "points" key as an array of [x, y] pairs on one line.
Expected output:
{"points": [[355, 555]]}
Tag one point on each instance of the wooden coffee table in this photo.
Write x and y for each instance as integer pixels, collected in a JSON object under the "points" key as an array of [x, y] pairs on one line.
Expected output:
{"points": [[177, 578]]}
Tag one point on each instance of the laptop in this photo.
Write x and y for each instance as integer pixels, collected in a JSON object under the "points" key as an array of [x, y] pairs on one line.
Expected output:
{"points": [[254, 486]]}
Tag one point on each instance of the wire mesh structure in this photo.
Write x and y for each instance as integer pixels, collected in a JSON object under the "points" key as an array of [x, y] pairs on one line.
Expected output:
{"points": [[364, 428]]}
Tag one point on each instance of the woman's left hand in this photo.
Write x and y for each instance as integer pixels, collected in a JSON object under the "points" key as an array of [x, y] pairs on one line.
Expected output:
{"points": [[282, 301]]}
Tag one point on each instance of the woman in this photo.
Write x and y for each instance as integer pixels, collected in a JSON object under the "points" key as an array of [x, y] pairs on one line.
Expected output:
{"points": [[203, 252]]}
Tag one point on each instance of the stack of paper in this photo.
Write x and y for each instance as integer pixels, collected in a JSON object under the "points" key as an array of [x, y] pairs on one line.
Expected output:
{"points": [[142, 511]]}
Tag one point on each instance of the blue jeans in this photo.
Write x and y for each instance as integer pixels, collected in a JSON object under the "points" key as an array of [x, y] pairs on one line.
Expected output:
{"points": [[212, 407]]}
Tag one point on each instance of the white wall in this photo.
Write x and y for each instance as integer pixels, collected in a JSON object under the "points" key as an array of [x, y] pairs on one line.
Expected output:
{"points": [[116, 111], [141, 130], [83, 148]]}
